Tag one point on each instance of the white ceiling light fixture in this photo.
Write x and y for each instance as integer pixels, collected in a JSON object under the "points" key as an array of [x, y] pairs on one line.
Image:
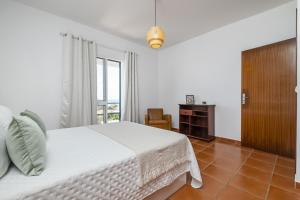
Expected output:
{"points": [[155, 36]]}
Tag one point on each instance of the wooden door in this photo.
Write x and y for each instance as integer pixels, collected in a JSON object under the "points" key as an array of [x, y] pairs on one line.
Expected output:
{"points": [[269, 107]]}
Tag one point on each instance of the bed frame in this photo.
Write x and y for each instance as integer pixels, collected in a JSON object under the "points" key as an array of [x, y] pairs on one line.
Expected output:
{"points": [[169, 190]]}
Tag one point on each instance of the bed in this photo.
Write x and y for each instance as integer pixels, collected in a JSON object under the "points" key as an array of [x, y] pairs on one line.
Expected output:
{"points": [[113, 161]]}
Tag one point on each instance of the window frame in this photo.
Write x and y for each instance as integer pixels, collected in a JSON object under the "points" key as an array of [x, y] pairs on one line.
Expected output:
{"points": [[105, 102]]}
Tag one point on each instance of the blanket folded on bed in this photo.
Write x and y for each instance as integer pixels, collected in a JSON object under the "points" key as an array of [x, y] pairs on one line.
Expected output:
{"points": [[157, 150]]}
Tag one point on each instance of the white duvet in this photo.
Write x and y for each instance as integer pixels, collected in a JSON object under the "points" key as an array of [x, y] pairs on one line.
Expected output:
{"points": [[157, 150], [85, 164], [70, 152]]}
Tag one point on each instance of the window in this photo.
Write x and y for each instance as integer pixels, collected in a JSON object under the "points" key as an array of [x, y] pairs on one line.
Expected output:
{"points": [[108, 90]]}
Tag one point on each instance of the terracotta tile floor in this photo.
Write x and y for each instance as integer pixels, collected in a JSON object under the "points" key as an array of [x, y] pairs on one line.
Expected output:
{"points": [[232, 172]]}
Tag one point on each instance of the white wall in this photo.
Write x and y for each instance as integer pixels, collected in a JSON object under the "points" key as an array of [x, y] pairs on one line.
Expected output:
{"points": [[31, 58], [209, 66]]}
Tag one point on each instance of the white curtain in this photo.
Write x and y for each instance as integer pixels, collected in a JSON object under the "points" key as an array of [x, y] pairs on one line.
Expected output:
{"points": [[79, 105], [131, 110]]}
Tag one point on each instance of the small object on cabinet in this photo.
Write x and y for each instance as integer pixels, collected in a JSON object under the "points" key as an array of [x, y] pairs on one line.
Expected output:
{"points": [[190, 99]]}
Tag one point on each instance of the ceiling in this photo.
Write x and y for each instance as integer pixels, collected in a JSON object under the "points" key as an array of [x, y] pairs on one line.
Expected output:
{"points": [[131, 19]]}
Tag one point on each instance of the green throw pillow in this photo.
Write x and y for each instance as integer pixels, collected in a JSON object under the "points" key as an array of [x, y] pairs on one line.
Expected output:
{"points": [[35, 118], [4, 159], [26, 145]]}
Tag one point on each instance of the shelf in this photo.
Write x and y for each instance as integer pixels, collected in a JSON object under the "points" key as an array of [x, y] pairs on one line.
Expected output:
{"points": [[184, 122], [202, 116], [202, 105], [205, 111], [197, 125], [197, 121], [210, 138]]}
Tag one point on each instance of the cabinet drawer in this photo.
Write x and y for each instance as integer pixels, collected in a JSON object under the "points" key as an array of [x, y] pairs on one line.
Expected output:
{"points": [[185, 112]]}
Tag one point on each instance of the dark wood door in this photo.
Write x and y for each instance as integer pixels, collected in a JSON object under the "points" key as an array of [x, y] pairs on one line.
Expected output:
{"points": [[269, 98]]}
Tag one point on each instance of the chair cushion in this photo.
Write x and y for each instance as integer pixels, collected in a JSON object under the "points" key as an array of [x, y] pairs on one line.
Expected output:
{"points": [[155, 114], [156, 122]]}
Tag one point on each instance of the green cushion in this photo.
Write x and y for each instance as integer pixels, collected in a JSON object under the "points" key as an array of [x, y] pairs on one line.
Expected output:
{"points": [[4, 159], [26, 145], [35, 118]]}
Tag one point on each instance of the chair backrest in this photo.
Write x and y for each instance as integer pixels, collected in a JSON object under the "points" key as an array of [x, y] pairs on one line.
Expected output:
{"points": [[155, 113]]}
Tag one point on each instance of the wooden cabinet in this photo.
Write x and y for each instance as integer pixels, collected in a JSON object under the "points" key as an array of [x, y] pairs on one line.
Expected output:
{"points": [[197, 121]]}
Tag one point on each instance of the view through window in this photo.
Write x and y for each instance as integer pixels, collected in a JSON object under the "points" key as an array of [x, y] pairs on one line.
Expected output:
{"points": [[108, 90]]}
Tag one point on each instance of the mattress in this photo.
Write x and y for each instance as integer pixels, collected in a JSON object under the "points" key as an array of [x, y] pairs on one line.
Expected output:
{"points": [[84, 164]]}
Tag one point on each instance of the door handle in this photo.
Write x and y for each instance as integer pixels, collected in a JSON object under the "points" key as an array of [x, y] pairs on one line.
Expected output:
{"points": [[244, 98]]}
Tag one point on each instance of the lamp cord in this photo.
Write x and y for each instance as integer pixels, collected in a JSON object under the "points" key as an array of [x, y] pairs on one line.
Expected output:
{"points": [[155, 12]]}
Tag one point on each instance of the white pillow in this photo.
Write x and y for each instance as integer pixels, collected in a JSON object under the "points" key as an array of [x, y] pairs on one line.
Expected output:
{"points": [[4, 159], [6, 117]]}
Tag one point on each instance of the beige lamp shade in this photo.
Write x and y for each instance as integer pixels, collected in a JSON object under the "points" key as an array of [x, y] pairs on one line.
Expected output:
{"points": [[155, 37]]}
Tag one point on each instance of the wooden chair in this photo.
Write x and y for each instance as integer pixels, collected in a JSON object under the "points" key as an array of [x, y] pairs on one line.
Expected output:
{"points": [[155, 117]]}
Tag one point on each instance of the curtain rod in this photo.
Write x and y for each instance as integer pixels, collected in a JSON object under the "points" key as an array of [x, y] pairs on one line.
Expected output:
{"points": [[77, 38]]}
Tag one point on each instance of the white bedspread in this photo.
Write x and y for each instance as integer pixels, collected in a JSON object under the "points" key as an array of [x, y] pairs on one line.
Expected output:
{"points": [[157, 150], [83, 164], [70, 152]]}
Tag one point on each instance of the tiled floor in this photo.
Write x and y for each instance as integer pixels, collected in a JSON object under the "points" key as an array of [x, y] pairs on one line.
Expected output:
{"points": [[232, 172]]}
